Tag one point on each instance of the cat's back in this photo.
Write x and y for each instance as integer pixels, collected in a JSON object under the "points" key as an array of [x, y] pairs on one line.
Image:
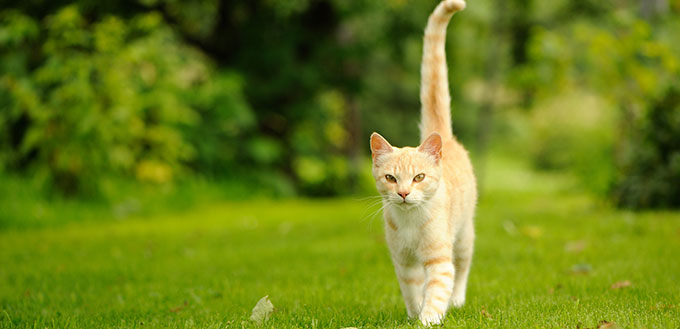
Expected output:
{"points": [[457, 169]]}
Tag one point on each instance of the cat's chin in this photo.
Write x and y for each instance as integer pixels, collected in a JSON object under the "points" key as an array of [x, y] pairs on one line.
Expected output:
{"points": [[404, 205]]}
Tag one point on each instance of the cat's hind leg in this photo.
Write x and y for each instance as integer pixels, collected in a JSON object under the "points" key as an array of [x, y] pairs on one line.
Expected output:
{"points": [[462, 259]]}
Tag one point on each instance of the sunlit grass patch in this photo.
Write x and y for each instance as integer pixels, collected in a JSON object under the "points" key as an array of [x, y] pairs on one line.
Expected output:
{"points": [[544, 258]]}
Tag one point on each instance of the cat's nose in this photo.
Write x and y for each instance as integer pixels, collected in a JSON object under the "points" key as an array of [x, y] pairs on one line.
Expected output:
{"points": [[403, 194]]}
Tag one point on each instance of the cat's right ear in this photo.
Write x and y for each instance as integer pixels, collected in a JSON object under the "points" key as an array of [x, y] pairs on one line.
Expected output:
{"points": [[379, 145]]}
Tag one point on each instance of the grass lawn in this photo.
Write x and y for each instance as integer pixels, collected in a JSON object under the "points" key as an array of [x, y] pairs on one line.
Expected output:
{"points": [[546, 256]]}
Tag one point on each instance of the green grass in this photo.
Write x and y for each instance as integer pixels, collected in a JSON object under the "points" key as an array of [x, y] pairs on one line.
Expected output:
{"points": [[546, 256], [25, 203]]}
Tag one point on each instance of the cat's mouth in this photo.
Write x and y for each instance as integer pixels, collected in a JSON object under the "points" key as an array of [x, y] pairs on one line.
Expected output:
{"points": [[405, 203], [402, 203], [399, 201]]}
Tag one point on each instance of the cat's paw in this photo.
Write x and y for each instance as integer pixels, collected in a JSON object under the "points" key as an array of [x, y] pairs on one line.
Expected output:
{"points": [[458, 301], [430, 318]]}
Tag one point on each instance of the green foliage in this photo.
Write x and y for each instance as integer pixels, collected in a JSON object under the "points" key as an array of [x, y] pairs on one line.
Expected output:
{"points": [[629, 66], [110, 98], [284, 93], [650, 169], [575, 131], [317, 142], [623, 58], [226, 121]]}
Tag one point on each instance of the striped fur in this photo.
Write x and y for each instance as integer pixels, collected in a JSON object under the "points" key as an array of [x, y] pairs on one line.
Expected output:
{"points": [[429, 223], [434, 82]]}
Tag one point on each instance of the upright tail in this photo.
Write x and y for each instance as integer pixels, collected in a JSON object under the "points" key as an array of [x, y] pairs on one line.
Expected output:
{"points": [[434, 82]]}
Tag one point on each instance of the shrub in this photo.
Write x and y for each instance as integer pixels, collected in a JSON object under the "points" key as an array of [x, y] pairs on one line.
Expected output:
{"points": [[575, 131], [649, 173], [86, 101]]}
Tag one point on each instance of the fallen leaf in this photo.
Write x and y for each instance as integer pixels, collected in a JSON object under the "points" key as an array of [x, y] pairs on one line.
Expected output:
{"points": [[510, 227], [486, 313], [532, 231], [662, 307], [262, 310], [621, 284], [583, 268], [607, 325], [553, 289], [575, 246], [179, 308]]}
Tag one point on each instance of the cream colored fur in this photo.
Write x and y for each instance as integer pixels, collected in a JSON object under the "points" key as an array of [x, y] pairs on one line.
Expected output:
{"points": [[429, 222]]}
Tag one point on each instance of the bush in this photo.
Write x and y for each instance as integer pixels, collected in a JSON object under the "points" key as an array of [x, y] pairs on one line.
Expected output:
{"points": [[83, 102], [649, 175], [575, 131], [630, 63]]}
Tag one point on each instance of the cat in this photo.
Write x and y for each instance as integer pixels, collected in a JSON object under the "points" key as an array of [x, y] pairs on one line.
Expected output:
{"points": [[429, 193]]}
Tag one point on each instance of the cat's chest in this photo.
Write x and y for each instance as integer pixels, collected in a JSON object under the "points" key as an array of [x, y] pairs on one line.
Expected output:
{"points": [[408, 232]]}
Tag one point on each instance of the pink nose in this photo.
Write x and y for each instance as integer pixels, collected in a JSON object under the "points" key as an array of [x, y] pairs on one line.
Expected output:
{"points": [[403, 194]]}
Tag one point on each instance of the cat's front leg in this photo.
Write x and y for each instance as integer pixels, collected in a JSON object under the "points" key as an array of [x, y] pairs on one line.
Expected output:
{"points": [[408, 268], [439, 272], [411, 280]]}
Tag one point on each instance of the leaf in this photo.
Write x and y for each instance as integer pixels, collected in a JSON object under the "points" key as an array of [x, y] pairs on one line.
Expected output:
{"points": [[179, 308], [575, 246], [660, 306], [555, 288], [532, 231], [262, 310], [486, 313], [510, 227], [581, 269], [621, 284], [607, 325], [34, 136]]}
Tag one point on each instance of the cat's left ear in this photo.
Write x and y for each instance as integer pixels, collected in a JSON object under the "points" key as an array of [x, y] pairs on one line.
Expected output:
{"points": [[432, 146], [379, 145]]}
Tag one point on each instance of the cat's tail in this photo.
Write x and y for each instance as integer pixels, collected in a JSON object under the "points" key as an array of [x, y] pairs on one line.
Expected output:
{"points": [[434, 82]]}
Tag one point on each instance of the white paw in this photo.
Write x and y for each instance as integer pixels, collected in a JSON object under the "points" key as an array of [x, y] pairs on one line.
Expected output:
{"points": [[458, 301], [431, 318], [412, 314]]}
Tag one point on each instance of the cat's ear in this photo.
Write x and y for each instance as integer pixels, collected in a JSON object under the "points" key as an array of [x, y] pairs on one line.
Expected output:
{"points": [[379, 145], [432, 146]]}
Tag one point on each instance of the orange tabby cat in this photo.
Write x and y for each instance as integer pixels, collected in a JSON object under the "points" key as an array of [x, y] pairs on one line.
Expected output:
{"points": [[429, 192]]}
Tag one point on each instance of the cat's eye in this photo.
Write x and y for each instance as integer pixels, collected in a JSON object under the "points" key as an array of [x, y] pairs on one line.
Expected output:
{"points": [[419, 178], [390, 178]]}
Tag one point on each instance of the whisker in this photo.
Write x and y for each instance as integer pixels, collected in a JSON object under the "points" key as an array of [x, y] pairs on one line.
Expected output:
{"points": [[372, 197], [371, 217], [369, 207], [373, 213]]}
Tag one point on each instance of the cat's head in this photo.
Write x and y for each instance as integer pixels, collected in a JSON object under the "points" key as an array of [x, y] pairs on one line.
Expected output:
{"points": [[406, 177]]}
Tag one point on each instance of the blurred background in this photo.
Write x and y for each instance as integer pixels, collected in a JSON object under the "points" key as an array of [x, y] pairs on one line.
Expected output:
{"points": [[132, 107]]}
